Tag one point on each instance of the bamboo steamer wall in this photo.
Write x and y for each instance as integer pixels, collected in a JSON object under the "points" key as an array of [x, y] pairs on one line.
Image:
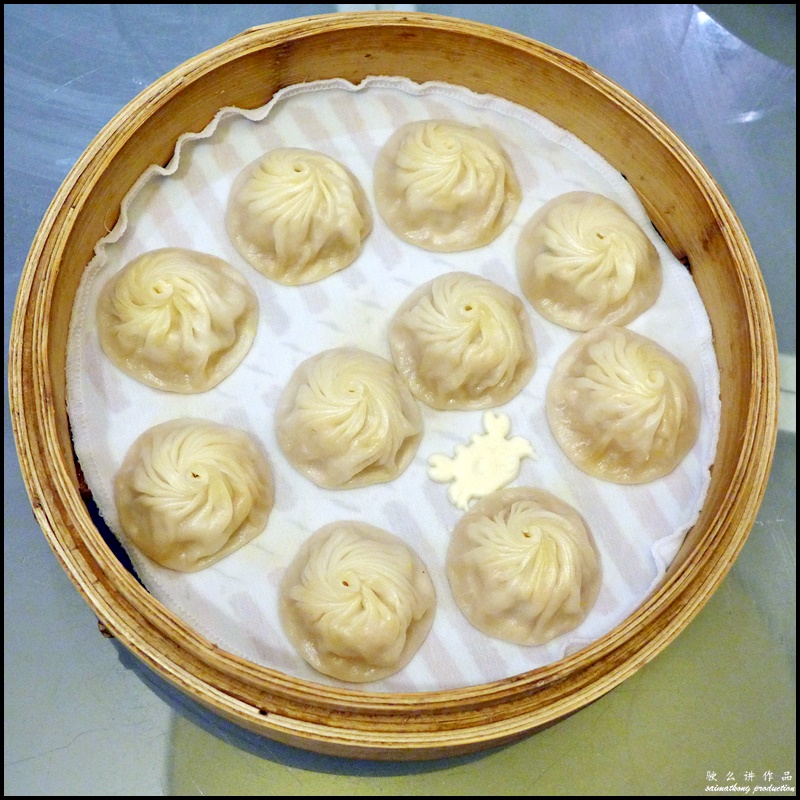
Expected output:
{"points": [[685, 205]]}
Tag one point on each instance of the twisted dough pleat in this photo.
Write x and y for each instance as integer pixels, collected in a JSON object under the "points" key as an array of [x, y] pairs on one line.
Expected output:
{"points": [[346, 419], [583, 262], [621, 407], [357, 602], [461, 341], [297, 215], [522, 566], [445, 186], [177, 319], [190, 492]]}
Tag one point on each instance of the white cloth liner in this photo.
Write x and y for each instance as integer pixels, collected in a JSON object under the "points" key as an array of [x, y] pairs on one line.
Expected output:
{"points": [[638, 529]]}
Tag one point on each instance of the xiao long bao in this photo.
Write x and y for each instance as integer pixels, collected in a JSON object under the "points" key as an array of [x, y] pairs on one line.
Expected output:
{"points": [[445, 186], [583, 262], [522, 566], [356, 602], [177, 320], [190, 492], [297, 215], [621, 407], [463, 342], [346, 420]]}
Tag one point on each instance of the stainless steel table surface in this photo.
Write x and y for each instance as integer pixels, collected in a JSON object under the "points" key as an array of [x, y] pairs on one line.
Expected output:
{"points": [[715, 711]]}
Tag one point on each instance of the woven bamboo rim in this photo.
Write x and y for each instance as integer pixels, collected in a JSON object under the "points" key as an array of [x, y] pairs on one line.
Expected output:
{"points": [[684, 203]]}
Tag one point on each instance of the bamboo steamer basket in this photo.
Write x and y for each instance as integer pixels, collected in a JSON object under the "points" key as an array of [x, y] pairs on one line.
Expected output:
{"points": [[685, 205]]}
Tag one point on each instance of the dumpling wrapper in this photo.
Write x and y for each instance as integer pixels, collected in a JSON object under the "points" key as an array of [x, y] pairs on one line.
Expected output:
{"points": [[356, 602], [191, 492], [463, 342], [177, 320], [522, 566], [621, 407], [583, 262], [445, 186], [297, 215], [346, 419]]}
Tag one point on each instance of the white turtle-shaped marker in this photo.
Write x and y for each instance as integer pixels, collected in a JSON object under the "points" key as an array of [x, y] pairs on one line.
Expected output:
{"points": [[488, 463]]}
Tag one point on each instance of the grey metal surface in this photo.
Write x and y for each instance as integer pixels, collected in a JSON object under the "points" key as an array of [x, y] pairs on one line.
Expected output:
{"points": [[80, 718]]}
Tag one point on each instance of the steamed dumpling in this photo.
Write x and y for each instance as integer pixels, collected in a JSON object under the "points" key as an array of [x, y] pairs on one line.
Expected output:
{"points": [[522, 566], [445, 186], [583, 262], [463, 342], [621, 407], [346, 420], [190, 492], [356, 602], [297, 215], [177, 320]]}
